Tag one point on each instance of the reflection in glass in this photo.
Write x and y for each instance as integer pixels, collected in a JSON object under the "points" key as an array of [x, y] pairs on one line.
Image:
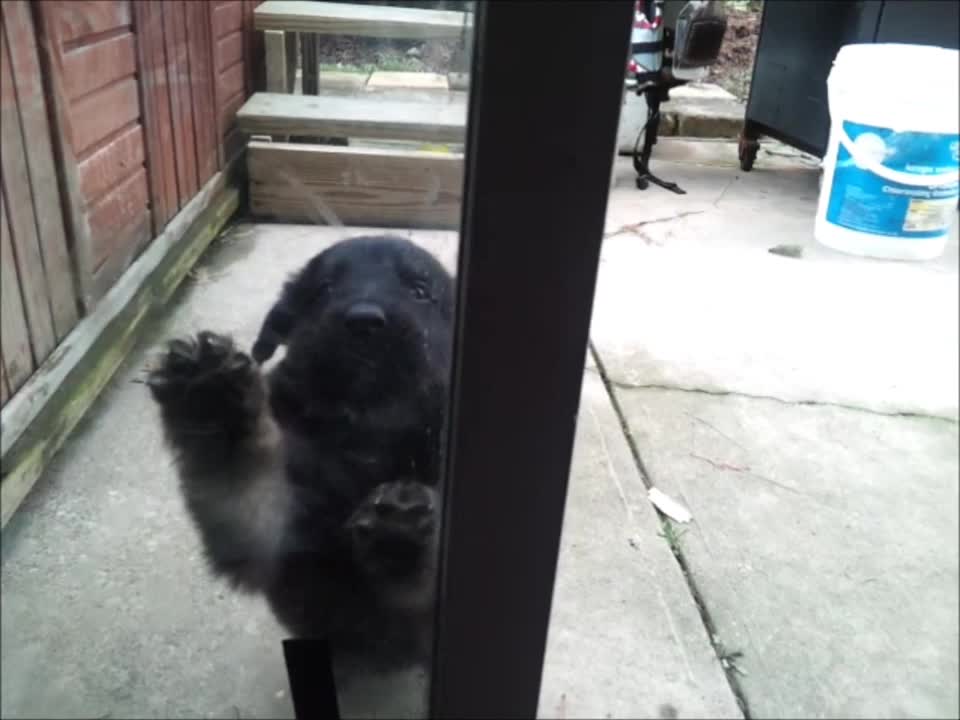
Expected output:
{"points": [[281, 475]]}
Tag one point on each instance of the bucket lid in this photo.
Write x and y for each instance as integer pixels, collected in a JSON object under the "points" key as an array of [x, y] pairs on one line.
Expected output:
{"points": [[900, 70]]}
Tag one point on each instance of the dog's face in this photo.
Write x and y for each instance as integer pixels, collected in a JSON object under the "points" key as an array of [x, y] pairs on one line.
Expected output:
{"points": [[363, 320]]}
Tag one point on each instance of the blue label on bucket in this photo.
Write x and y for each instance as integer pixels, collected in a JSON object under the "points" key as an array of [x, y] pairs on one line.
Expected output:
{"points": [[861, 200]]}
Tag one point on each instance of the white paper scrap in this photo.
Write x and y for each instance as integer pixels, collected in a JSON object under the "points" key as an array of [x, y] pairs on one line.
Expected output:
{"points": [[668, 506]]}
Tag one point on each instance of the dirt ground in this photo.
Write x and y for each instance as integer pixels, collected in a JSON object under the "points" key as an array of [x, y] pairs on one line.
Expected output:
{"points": [[359, 53], [732, 72], [365, 54], [734, 69]]}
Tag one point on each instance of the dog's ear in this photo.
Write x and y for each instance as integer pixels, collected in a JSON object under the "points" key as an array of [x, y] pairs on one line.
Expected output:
{"points": [[277, 326], [293, 303]]}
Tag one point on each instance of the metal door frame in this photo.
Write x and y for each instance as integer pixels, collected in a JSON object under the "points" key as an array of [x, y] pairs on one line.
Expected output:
{"points": [[546, 89]]}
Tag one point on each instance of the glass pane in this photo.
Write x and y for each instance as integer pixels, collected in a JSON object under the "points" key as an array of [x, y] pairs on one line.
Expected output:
{"points": [[267, 462], [748, 446]]}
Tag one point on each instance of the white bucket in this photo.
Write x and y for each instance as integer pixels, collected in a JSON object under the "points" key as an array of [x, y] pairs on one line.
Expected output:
{"points": [[890, 174]]}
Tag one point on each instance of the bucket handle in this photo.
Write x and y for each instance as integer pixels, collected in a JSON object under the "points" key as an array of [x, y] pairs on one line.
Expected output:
{"points": [[889, 174]]}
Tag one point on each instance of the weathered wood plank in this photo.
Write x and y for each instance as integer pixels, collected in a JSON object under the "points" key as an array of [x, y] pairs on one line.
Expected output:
{"points": [[115, 213], [79, 18], [352, 19], [230, 49], [173, 92], [216, 70], [25, 65], [227, 18], [112, 164], [231, 83], [20, 216], [200, 55], [89, 67], [103, 112], [234, 143], [228, 113], [275, 47], [63, 389], [360, 186], [178, 75], [24, 410], [157, 123], [135, 237], [18, 360], [343, 116], [61, 127]]}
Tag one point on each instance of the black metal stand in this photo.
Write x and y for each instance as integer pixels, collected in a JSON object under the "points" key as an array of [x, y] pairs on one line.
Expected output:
{"points": [[654, 95], [312, 685]]}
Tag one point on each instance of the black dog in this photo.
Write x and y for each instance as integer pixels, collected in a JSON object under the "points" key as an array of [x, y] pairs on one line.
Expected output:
{"points": [[318, 484]]}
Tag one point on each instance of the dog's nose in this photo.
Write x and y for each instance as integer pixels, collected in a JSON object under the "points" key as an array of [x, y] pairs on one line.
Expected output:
{"points": [[365, 317]]}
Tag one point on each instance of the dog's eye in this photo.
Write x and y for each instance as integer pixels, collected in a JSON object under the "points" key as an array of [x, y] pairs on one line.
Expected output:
{"points": [[320, 291], [421, 291]]}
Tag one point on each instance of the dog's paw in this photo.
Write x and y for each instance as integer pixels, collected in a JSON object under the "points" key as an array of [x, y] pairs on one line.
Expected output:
{"points": [[394, 529], [206, 379]]}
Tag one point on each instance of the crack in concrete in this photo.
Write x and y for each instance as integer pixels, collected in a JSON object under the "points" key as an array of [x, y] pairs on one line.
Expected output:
{"points": [[621, 385], [732, 679], [634, 228], [718, 431], [745, 471]]}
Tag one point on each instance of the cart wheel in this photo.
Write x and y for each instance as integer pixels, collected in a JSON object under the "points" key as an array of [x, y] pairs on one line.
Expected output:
{"points": [[747, 151], [642, 183]]}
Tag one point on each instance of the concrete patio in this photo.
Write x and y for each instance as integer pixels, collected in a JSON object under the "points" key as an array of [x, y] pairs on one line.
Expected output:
{"points": [[805, 411], [803, 408]]}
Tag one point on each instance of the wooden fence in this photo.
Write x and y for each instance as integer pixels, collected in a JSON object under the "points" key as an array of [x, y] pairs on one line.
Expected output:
{"points": [[114, 115]]}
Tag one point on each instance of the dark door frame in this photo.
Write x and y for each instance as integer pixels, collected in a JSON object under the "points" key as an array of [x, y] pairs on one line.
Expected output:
{"points": [[545, 99]]}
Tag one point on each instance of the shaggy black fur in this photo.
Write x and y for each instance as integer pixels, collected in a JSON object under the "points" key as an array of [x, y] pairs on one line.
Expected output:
{"points": [[317, 484]]}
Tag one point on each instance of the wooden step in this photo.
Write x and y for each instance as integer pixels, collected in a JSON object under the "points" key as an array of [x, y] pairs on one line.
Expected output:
{"points": [[331, 115], [328, 18], [370, 187]]}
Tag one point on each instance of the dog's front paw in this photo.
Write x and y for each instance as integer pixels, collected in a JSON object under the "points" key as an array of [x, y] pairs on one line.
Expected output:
{"points": [[206, 381], [394, 529]]}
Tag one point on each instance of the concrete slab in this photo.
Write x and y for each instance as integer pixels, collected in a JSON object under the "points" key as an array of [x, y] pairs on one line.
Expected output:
{"points": [[824, 545], [689, 295], [625, 638], [108, 609], [718, 152], [766, 392], [696, 110], [703, 114], [700, 91], [458, 80]]}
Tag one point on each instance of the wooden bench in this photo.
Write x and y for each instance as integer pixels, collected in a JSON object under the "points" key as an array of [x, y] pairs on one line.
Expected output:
{"points": [[324, 18], [368, 186], [372, 116], [360, 186], [354, 185], [279, 19]]}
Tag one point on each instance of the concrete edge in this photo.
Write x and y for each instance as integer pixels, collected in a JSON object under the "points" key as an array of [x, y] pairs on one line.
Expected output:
{"points": [[39, 419], [632, 484], [681, 563], [703, 125]]}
